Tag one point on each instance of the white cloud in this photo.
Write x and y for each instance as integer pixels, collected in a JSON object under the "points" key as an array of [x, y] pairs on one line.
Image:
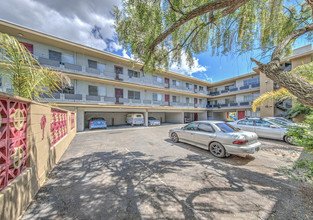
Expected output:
{"points": [[85, 22], [196, 70]]}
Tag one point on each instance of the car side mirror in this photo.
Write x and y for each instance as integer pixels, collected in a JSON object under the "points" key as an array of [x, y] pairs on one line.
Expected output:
{"points": [[273, 126]]}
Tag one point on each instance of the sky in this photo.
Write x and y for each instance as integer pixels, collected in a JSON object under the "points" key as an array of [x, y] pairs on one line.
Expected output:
{"points": [[90, 22]]}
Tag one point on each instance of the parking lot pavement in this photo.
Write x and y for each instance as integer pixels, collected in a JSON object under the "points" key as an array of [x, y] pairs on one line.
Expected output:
{"points": [[142, 174]]}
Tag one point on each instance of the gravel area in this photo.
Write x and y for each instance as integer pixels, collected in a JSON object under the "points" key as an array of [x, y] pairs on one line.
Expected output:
{"points": [[141, 174]]}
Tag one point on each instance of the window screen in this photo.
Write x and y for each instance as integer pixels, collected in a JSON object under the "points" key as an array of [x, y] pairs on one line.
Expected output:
{"points": [[133, 95], [53, 55], [93, 90], [92, 64]]}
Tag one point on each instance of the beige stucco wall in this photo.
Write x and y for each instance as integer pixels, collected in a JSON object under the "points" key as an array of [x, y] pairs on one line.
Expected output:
{"points": [[15, 197], [300, 61], [266, 85]]}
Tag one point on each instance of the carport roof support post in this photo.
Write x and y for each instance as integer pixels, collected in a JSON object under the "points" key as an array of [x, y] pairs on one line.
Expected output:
{"points": [[146, 117]]}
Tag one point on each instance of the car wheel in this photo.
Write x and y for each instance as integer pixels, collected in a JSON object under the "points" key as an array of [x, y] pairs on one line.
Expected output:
{"points": [[288, 139], [174, 137], [217, 149]]}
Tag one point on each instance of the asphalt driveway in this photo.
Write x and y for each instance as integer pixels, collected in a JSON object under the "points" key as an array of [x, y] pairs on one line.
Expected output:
{"points": [[141, 174]]}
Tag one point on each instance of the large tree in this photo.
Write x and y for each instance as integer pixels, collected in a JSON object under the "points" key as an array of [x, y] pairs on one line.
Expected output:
{"points": [[158, 32]]}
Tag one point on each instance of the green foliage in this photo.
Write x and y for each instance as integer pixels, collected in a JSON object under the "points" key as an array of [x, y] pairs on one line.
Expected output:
{"points": [[302, 170], [256, 24], [28, 78], [298, 109], [302, 135]]}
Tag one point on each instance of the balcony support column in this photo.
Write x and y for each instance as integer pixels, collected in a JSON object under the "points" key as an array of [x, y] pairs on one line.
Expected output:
{"points": [[146, 117]]}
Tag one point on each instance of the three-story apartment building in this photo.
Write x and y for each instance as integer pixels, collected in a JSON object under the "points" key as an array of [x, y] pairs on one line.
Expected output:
{"points": [[110, 86]]}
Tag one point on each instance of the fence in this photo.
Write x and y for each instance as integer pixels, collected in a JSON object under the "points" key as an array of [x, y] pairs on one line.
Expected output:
{"points": [[33, 137]]}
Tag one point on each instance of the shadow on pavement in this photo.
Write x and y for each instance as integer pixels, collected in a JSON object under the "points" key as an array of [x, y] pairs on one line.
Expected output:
{"points": [[116, 185]]}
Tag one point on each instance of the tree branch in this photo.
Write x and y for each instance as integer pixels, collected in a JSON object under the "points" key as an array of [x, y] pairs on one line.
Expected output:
{"points": [[174, 9], [231, 5]]}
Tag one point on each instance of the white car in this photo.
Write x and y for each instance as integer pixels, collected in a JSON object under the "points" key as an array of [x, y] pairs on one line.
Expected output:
{"points": [[220, 138], [264, 128], [153, 121]]}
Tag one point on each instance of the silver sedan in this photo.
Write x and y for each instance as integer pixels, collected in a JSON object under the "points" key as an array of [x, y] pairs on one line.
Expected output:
{"points": [[220, 138]]}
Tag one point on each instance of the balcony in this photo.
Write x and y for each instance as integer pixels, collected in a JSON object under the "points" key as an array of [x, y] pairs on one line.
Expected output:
{"points": [[230, 105], [234, 90], [93, 70], [84, 70], [93, 98], [73, 96]]}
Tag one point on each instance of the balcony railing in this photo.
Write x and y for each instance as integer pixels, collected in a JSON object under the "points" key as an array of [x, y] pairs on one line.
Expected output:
{"points": [[112, 75], [229, 105], [234, 89]]}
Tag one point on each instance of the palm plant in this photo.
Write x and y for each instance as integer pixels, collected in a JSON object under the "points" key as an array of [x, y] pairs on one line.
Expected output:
{"points": [[28, 78]]}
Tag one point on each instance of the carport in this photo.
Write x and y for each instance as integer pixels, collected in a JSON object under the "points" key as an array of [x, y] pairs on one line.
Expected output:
{"points": [[112, 118]]}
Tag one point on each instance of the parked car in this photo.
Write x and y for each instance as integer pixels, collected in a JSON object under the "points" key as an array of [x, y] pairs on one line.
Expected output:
{"points": [[264, 128], [97, 123], [220, 138], [153, 121], [135, 119], [187, 120]]}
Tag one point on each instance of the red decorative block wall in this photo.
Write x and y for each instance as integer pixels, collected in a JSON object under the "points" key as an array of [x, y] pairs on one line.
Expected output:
{"points": [[72, 120], [58, 125], [13, 140]]}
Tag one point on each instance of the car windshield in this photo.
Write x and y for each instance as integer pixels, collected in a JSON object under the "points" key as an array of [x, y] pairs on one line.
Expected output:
{"points": [[97, 119], [226, 128], [152, 118]]}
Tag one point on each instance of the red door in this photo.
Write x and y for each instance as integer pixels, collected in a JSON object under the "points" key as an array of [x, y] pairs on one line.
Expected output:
{"points": [[196, 116], [167, 82], [167, 99], [196, 102], [118, 95], [29, 47], [241, 115]]}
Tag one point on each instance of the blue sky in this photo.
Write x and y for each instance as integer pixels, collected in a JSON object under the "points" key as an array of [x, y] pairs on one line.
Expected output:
{"points": [[90, 23]]}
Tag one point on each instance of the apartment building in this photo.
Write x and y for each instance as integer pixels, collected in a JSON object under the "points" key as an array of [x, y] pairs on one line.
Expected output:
{"points": [[110, 86]]}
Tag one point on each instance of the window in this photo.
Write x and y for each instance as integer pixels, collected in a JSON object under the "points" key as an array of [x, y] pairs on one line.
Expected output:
{"points": [[68, 90], [0, 81], [101, 67], [174, 98], [118, 70], [188, 85], [251, 81], [187, 100], [175, 82], [67, 58], [200, 101], [133, 95], [157, 79], [226, 128], [157, 97], [200, 88], [206, 128], [247, 98], [132, 73], [92, 64], [261, 123], [191, 126], [246, 122], [53, 55], [93, 90]]}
